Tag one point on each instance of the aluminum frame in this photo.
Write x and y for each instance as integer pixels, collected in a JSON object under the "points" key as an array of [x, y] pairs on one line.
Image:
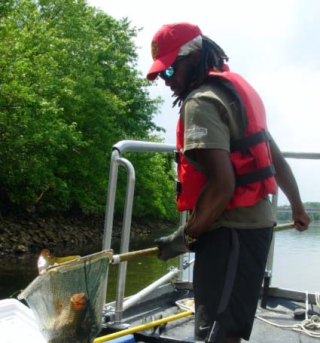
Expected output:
{"points": [[118, 150]]}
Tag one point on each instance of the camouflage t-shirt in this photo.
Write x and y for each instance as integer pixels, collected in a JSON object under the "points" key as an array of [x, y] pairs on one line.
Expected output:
{"points": [[211, 116]]}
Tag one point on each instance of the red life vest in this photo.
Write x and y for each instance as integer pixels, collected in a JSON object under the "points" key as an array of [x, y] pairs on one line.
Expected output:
{"points": [[250, 155]]}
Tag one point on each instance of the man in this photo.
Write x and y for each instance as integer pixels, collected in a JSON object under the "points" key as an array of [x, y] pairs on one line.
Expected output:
{"points": [[228, 164]]}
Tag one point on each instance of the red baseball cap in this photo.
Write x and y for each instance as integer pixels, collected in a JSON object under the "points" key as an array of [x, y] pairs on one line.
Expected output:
{"points": [[166, 45]]}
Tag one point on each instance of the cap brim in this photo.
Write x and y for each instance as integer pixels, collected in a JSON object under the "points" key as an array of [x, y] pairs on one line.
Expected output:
{"points": [[162, 63]]}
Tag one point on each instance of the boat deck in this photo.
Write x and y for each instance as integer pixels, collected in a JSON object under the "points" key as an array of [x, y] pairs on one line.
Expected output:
{"points": [[281, 312], [278, 311]]}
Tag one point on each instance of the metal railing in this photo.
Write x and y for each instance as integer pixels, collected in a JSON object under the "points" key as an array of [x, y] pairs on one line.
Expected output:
{"points": [[118, 150], [302, 155]]}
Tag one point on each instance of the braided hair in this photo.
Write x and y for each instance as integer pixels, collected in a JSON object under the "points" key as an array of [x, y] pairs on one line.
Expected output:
{"points": [[212, 57]]}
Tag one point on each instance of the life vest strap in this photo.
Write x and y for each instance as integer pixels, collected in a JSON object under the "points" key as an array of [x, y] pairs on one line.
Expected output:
{"points": [[257, 175], [178, 187], [176, 156], [243, 144]]}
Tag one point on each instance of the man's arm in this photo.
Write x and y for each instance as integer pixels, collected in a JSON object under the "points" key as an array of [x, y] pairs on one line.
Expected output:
{"points": [[288, 185], [217, 192]]}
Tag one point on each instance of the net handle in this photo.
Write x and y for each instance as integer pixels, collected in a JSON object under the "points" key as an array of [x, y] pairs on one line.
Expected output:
{"points": [[133, 255]]}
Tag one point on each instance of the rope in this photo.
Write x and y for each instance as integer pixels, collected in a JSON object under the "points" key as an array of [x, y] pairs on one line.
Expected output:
{"points": [[307, 326]]}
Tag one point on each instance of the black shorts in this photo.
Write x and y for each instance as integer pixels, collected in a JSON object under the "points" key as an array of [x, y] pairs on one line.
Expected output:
{"points": [[233, 317]]}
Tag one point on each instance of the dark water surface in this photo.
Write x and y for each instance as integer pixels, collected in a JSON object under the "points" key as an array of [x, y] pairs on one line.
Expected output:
{"points": [[17, 272], [296, 261]]}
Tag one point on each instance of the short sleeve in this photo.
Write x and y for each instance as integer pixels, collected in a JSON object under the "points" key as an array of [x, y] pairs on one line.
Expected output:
{"points": [[206, 126]]}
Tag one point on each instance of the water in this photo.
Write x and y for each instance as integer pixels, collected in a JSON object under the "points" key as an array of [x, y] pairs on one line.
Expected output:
{"points": [[295, 265], [296, 259], [17, 272]]}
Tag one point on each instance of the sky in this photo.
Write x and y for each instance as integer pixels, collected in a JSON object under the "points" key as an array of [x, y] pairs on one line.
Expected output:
{"points": [[273, 44]]}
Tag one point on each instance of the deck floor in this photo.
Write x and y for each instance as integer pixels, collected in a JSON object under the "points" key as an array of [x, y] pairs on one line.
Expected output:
{"points": [[279, 311]]}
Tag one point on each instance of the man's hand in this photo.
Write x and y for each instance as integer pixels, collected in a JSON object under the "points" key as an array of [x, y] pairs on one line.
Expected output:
{"points": [[288, 185], [301, 220], [172, 245]]}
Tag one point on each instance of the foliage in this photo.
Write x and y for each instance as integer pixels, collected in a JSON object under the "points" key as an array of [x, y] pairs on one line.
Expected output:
{"points": [[69, 89], [150, 186]]}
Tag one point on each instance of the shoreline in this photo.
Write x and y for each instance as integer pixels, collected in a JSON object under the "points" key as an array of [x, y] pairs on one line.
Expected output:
{"points": [[29, 234]]}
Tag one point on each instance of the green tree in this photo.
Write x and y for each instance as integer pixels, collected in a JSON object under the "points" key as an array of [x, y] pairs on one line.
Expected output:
{"points": [[70, 89]]}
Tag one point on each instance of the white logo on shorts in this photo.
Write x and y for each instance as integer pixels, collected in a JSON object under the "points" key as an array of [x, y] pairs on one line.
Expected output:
{"points": [[201, 328]]}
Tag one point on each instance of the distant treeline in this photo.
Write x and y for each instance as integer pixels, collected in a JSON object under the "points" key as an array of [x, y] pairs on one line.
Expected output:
{"points": [[286, 216], [69, 90]]}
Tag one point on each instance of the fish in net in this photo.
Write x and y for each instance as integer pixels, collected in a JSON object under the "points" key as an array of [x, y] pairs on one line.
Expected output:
{"points": [[67, 298]]}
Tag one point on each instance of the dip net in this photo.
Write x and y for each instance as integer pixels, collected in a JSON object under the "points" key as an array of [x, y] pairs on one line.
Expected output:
{"points": [[68, 299]]}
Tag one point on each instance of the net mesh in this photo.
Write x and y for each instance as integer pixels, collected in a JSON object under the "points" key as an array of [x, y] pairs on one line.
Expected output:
{"points": [[68, 299]]}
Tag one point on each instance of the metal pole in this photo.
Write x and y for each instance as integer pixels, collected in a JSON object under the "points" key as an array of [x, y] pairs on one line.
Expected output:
{"points": [[140, 146], [183, 220], [269, 266], [126, 228], [112, 187], [271, 251], [302, 155], [140, 295], [117, 150], [108, 220]]}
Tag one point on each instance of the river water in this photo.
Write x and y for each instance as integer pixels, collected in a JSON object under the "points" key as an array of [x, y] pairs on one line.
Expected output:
{"points": [[296, 259]]}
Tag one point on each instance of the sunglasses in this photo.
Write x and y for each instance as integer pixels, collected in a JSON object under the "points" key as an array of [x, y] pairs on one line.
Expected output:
{"points": [[169, 72]]}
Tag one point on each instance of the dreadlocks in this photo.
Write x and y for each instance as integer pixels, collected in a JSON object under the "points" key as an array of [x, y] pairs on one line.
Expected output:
{"points": [[212, 57]]}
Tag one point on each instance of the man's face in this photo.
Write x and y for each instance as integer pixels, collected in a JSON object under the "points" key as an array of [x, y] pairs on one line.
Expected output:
{"points": [[182, 70]]}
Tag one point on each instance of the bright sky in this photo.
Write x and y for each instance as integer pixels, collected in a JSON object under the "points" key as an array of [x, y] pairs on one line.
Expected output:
{"points": [[274, 44]]}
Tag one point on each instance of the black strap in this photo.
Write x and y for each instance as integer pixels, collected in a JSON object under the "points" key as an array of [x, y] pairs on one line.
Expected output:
{"points": [[178, 187], [176, 156], [244, 143], [257, 175], [231, 271]]}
